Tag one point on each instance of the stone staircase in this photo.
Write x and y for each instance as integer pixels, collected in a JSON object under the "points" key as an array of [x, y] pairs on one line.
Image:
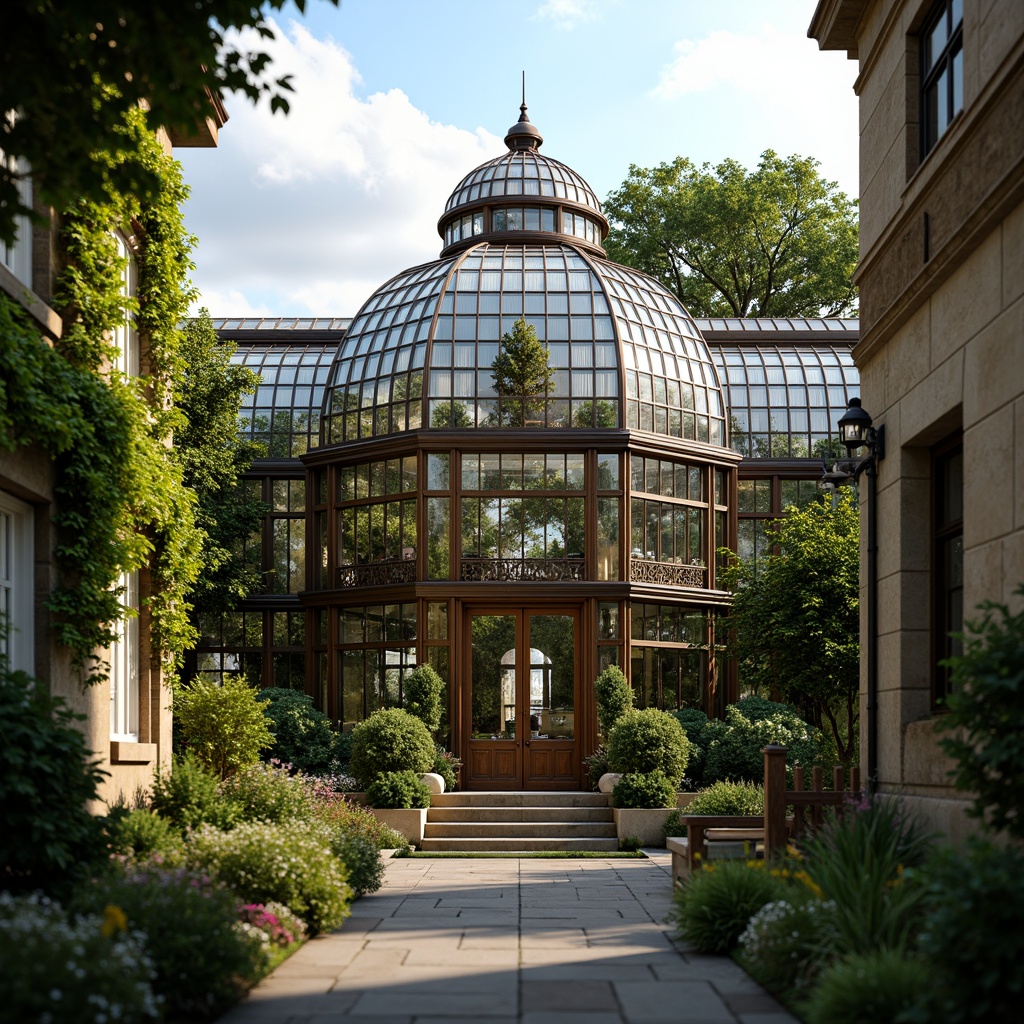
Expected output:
{"points": [[514, 821]]}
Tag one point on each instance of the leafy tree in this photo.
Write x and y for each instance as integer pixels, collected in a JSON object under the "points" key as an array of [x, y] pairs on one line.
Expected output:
{"points": [[424, 690], [794, 627], [213, 458], [72, 71], [521, 375], [451, 416], [777, 241]]}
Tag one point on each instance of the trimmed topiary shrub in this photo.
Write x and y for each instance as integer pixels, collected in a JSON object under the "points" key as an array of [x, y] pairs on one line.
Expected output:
{"points": [[303, 736], [290, 863], [721, 798], [643, 741], [189, 796], [397, 790], [614, 698], [423, 696], [644, 790], [225, 726], [390, 740], [714, 907], [48, 839], [202, 960]]}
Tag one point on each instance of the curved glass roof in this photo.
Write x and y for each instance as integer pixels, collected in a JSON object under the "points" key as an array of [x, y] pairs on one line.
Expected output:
{"points": [[284, 412], [433, 334], [522, 173], [785, 399]]}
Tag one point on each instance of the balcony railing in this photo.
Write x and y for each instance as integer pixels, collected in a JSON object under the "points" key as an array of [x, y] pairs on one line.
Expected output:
{"points": [[642, 570], [521, 570]]}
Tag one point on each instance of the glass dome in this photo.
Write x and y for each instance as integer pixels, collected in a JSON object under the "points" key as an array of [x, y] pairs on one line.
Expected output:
{"points": [[623, 351]]}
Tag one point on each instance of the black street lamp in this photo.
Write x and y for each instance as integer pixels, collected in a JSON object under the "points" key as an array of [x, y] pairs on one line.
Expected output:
{"points": [[856, 431]]}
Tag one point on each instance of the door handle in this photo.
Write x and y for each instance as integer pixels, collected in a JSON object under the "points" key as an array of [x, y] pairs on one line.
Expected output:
{"points": [[527, 742]]}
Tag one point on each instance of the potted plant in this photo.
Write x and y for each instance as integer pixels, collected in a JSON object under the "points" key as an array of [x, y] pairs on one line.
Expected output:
{"points": [[400, 800]]}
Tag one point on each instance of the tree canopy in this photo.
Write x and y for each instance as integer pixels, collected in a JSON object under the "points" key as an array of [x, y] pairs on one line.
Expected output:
{"points": [[776, 241], [794, 624], [73, 70], [521, 374]]}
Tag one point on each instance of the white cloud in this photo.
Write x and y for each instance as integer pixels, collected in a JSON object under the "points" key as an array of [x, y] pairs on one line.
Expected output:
{"points": [[567, 14], [308, 214]]}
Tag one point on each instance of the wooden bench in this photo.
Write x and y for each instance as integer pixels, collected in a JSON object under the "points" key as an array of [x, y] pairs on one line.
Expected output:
{"points": [[773, 829]]}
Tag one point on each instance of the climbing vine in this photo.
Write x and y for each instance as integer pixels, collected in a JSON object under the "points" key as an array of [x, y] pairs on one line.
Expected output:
{"points": [[121, 503]]}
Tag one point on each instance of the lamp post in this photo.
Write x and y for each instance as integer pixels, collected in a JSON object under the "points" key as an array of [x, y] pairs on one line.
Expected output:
{"points": [[856, 431]]}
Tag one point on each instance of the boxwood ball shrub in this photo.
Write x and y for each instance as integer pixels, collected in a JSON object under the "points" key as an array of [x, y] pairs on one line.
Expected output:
{"points": [[303, 736], [649, 790], [423, 696], [713, 908], [202, 961], [643, 741], [390, 740], [397, 790], [721, 798], [290, 863], [72, 970]]}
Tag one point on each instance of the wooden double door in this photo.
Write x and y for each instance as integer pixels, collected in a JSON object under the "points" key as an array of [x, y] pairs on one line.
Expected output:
{"points": [[521, 698]]}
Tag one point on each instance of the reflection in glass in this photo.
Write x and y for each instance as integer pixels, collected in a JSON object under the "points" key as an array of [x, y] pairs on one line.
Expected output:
{"points": [[493, 679], [552, 676]]}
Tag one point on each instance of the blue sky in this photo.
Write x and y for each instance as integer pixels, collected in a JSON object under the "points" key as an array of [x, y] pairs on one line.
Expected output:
{"points": [[396, 100]]}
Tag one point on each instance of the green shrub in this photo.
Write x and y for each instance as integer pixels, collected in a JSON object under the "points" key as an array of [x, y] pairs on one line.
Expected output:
{"points": [[140, 834], [225, 726], [48, 840], [201, 958], [397, 789], [640, 790], [342, 816], [614, 698], [876, 986], [71, 971], [694, 722], [290, 864], [189, 796], [643, 741], [630, 844], [362, 860], [721, 798], [342, 752], [447, 765], [732, 748], [858, 861], [390, 740], [303, 736], [986, 718], [971, 936], [423, 696], [787, 942], [266, 792], [714, 907]]}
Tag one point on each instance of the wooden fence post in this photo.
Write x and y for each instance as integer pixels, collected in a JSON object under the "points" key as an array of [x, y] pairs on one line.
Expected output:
{"points": [[774, 799]]}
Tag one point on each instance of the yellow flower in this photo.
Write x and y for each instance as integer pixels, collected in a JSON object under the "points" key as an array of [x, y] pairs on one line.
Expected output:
{"points": [[114, 920], [810, 883]]}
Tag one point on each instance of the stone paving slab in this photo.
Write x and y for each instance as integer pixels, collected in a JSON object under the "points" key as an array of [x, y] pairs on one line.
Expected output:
{"points": [[510, 941]]}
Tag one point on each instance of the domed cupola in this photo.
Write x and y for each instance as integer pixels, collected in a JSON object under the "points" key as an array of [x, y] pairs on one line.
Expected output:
{"points": [[523, 197]]}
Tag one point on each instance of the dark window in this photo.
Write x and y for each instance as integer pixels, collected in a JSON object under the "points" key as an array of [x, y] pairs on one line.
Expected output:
{"points": [[942, 70], [947, 561]]}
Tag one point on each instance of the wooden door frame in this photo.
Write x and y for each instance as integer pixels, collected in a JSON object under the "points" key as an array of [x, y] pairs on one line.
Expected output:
{"points": [[521, 610]]}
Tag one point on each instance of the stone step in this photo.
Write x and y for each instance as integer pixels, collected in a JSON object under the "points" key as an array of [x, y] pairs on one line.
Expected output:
{"points": [[515, 798], [512, 845], [475, 813], [519, 830]]}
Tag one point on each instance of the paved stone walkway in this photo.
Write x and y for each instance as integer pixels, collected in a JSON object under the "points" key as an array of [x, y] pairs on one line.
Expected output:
{"points": [[509, 941]]}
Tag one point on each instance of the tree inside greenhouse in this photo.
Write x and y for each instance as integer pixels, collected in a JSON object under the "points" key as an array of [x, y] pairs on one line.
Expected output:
{"points": [[522, 376]]}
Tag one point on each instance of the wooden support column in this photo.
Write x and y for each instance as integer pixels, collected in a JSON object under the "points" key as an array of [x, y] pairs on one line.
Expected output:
{"points": [[774, 799]]}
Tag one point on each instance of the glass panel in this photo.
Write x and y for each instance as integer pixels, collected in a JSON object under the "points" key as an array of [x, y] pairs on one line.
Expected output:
{"points": [[608, 472], [438, 567], [608, 620], [552, 676], [608, 538], [437, 620], [493, 677]]}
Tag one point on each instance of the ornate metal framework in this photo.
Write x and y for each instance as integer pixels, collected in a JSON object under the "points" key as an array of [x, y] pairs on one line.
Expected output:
{"points": [[377, 574], [521, 570], [643, 571]]}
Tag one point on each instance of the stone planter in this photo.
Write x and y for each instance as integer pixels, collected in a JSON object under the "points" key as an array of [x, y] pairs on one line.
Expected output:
{"points": [[646, 823], [409, 821]]}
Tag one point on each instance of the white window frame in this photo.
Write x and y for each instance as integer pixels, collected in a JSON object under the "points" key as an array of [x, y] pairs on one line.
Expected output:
{"points": [[17, 258], [17, 590], [126, 336], [124, 665]]}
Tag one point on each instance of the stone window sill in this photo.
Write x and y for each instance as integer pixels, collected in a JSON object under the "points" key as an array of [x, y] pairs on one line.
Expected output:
{"points": [[122, 752]]}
